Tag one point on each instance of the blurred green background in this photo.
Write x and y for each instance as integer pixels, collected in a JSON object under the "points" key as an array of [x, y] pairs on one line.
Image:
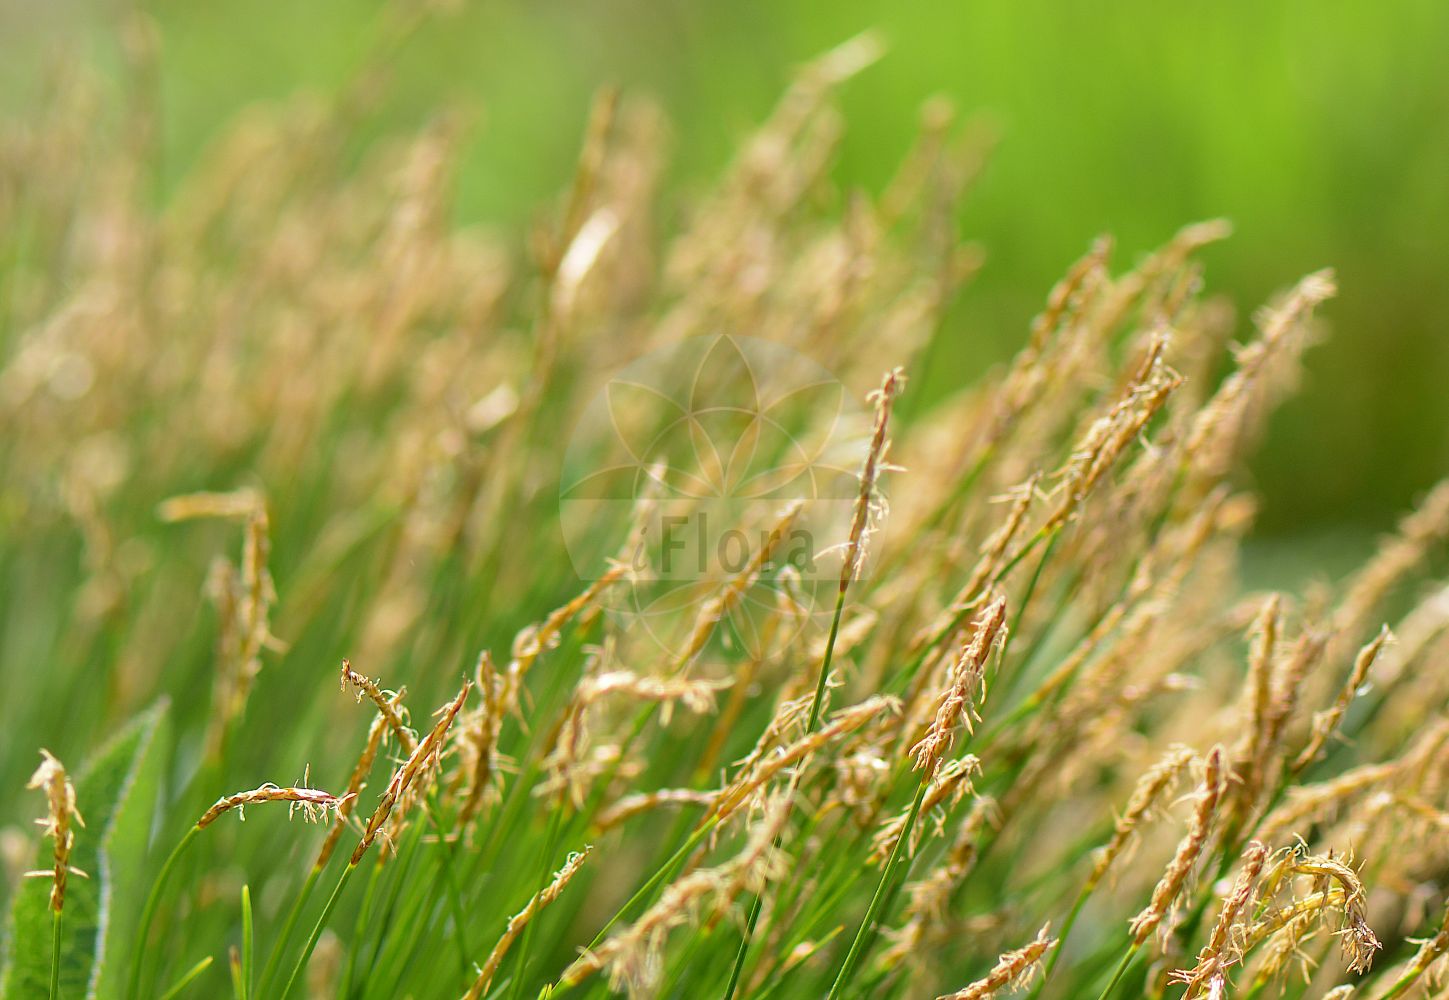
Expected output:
{"points": [[1320, 129]]}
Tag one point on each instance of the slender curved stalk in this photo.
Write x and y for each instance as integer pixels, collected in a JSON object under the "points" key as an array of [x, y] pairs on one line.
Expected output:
{"points": [[810, 727], [364, 914], [280, 945], [55, 956], [186, 979], [153, 900], [877, 901], [744, 949], [1402, 984], [317, 930], [662, 874], [1067, 925], [248, 949], [1120, 971]]}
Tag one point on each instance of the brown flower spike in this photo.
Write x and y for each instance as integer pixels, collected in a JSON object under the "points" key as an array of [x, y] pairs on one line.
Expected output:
{"points": [[61, 811]]}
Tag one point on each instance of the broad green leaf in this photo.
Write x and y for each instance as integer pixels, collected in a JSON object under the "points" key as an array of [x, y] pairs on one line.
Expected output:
{"points": [[116, 793]]}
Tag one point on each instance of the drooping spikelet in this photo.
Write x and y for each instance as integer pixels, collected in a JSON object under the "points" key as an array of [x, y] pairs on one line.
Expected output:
{"points": [[1356, 938], [1105, 441], [951, 782], [632, 805], [1189, 849], [479, 741], [567, 775], [313, 803], [61, 812], [753, 778], [929, 898], [519, 920], [1012, 969]]}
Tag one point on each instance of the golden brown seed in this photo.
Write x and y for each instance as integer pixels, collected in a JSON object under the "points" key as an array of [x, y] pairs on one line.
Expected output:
{"points": [[951, 782], [884, 398], [479, 739], [1210, 975], [752, 779]]}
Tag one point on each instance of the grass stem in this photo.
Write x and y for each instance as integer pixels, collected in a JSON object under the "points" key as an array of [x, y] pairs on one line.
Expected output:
{"points": [[317, 930], [55, 955], [148, 913], [874, 911]]}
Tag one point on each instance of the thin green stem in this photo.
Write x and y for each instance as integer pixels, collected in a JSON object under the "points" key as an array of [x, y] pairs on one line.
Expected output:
{"points": [[1056, 953], [1402, 984], [455, 897], [279, 946], [364, 913], [1120, 972], [815, 709], [317, 930], [823, 679], [662, 874], [248, 949], [55, 956], [877, 901], [153, 900], [739, 967], [187, 979]]}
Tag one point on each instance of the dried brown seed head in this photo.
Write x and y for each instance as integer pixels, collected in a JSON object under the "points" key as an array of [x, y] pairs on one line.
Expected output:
{"points": [[313, 802], [1012, 969], [61, 813]]}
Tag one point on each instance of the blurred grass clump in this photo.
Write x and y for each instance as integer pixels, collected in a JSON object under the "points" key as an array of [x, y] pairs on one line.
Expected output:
{"points": [[1316, 128], [274, 404]]}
